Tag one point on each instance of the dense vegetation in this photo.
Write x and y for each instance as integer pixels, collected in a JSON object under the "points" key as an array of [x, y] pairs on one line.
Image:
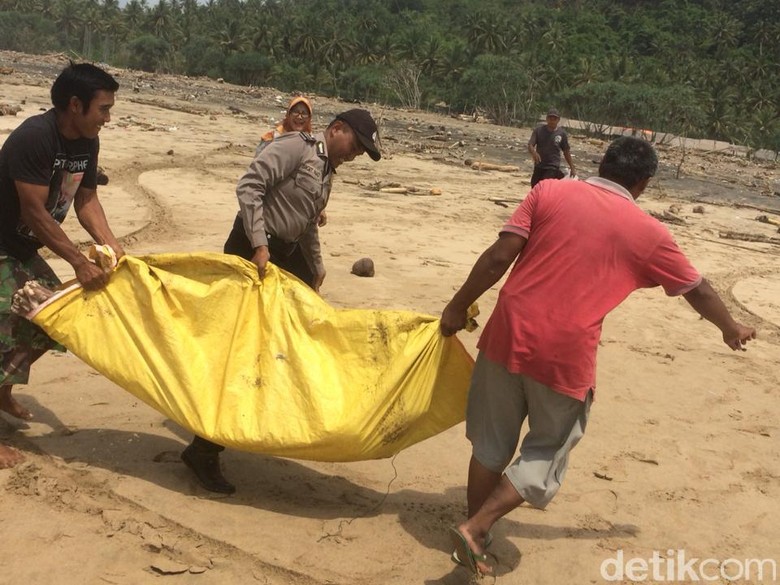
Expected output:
{"points": [[705, 68]]}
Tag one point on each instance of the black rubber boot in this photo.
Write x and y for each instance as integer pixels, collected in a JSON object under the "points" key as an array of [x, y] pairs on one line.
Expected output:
{"points": [[206, 469]]}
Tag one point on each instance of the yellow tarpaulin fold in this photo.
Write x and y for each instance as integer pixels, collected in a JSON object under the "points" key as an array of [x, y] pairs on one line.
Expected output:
{"points": [[264, 365]]}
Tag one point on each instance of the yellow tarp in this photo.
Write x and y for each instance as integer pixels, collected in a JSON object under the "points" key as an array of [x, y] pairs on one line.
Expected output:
{"points": [[265, 366]]}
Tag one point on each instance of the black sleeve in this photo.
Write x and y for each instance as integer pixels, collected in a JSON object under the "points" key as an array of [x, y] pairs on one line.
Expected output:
{"points": [[31, 153]]}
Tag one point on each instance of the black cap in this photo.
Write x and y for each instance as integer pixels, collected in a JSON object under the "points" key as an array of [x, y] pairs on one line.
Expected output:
{"points": [[364, 127], [553, 112]]}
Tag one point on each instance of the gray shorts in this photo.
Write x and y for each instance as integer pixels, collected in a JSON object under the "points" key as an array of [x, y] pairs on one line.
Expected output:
{"points": [[499, 402]]}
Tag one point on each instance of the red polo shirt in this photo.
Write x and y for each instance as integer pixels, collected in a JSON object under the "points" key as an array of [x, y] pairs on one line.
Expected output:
{"points": [[589, 246]]}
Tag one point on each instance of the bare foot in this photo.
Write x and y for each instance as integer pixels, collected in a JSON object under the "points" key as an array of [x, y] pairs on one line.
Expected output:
{"points": [[9, 457], [9, 404]]}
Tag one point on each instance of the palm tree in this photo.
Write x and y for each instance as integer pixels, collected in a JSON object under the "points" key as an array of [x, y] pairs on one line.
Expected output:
{"points": [[185, 18], [721, 121], [336, 49], [385, 49], [45, 8], [133, 15], [725, 32], [365, 51], [110, 16], [231, 37], [553, 37], [454, 60], [308, 41], [429, 55], [766, 34], [411, 43], [588, 71], [485, 35], [92, 24], [68, 17], [161, 20]]}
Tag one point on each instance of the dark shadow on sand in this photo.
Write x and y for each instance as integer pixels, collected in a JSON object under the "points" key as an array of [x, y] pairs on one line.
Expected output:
{"points": [[286, 486]]}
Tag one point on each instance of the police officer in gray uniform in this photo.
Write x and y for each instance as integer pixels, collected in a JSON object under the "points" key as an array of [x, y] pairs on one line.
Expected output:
{"points": [[280, 198]]}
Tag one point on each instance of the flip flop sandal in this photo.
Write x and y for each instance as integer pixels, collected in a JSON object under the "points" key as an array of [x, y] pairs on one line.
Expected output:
{"points": [[469, 558], [456, 559]]}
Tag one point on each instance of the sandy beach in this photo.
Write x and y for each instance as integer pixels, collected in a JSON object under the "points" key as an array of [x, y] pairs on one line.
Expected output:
{"points": [[682, 452]]}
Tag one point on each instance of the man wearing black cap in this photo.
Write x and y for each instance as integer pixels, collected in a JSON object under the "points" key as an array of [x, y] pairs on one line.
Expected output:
{"points": [[546, 144], [280, 198]]}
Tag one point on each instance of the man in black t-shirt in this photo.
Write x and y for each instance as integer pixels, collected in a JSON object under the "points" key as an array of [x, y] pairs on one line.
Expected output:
{"points": [[546, 144], [46, 165]]}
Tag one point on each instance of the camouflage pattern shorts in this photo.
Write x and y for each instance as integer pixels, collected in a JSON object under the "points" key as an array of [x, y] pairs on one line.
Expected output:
{"points": [[21, 342]]}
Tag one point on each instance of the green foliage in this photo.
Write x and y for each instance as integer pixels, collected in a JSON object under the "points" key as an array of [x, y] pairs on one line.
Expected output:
{"points": [[291, 76], [247, 68], [201, 57], [701, 67], [148, 53], [362, 83], [29, 33], [498, 86], [672, 109]]}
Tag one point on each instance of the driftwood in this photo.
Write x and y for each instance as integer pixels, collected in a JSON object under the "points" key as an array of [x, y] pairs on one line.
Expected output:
{"points": [[411, 190], [500, 201], [486, 166], [748, 237], [767, 219], [736, 205], [668, 217]]}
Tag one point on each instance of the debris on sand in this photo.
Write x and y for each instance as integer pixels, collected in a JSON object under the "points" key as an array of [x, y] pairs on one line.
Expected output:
{"points": [[9, 110], [668, 217], [363, 267], [488, 166]]}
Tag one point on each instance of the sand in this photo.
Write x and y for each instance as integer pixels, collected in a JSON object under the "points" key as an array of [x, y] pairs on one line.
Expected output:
{"points": [[681, 453]]}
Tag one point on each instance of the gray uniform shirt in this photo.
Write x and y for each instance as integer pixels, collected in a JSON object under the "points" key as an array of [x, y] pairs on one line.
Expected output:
{"points": [[284, 190]]}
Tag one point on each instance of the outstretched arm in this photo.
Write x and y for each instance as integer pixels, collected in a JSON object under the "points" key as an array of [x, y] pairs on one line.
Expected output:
{"points": [[487, 271], [709, 305]]}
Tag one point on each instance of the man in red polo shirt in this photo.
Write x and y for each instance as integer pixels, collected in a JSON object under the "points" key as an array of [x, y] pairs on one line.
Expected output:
{"points": [[579, 249]]}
